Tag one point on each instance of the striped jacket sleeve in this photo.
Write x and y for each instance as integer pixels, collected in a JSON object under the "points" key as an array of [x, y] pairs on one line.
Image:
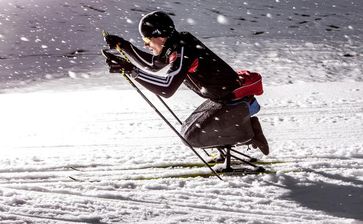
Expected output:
{"points": [[161, 80]]}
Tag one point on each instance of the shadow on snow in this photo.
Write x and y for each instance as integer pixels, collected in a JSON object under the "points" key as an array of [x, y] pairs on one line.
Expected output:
{"points": [[334, 199]]}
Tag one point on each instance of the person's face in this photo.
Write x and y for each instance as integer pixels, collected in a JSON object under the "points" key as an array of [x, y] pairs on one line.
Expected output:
{"points": [[155, 44]]}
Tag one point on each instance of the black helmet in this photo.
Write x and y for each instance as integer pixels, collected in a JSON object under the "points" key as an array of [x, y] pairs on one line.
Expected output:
{"points": [[156, 24]]}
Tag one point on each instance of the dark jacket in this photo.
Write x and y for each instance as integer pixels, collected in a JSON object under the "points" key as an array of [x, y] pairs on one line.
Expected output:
{"points": [[184, 59]]}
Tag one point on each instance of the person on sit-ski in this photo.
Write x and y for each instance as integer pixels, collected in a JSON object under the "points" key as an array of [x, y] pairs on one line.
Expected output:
{"points": [[179, 57]]}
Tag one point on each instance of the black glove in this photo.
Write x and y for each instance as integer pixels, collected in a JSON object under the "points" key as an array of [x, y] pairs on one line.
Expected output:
{"points": [[113, 41], [116, 66]]}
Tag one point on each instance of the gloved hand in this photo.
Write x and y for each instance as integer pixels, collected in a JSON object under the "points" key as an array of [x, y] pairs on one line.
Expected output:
{"points": [[113, 41], [117, 65]]}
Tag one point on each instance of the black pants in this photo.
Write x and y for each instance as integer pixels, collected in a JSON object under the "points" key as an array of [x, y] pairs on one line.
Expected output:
{"points": [[215, 124]]}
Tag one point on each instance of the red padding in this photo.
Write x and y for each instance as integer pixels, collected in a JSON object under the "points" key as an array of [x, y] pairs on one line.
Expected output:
{"points": [[251, 84]]}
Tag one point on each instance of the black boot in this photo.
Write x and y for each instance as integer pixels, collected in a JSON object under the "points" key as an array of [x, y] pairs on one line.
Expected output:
{"points": [[258, 140]]}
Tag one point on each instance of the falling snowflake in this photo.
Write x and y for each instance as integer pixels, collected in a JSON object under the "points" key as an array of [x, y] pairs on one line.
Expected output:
{"points": [[222, 20], [191, 21], [24, 39]]}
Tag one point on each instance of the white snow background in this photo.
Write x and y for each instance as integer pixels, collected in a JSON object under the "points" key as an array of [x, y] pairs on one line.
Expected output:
{"points": [[60, 108]]}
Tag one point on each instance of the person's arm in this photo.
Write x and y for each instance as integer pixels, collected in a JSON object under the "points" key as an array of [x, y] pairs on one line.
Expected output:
{"points": [[139, 58], [167, 80], [161, 80]]}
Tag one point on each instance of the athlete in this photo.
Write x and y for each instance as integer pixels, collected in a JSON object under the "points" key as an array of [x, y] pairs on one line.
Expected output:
{"points": [[179, 57]]}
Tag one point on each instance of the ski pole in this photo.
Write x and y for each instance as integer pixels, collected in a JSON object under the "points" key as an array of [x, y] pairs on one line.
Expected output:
{"points": [[167, 107], [169, 124], [123, 73]]}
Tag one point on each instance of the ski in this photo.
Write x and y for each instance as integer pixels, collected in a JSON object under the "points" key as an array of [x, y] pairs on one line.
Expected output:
{"points": [[193, 174], [236, 172], [180, 165]]}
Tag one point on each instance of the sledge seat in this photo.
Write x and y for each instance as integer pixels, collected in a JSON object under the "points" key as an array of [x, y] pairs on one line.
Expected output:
{"points": [[215, 124], [225, 125]]}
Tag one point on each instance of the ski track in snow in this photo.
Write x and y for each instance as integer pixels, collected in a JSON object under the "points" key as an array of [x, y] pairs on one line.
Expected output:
{"points": [[98, 138]]}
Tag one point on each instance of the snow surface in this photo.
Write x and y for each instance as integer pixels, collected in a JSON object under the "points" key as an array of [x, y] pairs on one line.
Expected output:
{"points": [[61, 109]]}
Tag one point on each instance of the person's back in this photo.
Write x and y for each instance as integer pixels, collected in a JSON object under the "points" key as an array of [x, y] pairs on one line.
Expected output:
{"points": [[208, 75]]}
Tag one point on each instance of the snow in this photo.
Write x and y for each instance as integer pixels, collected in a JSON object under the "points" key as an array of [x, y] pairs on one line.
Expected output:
{"points": [[63, 115]]}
